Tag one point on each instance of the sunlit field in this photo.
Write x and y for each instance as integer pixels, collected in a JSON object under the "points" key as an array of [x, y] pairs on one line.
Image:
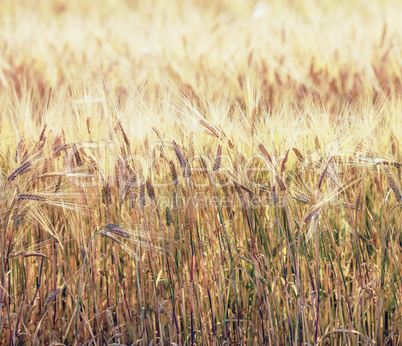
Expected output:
{"points": [[200, 172]]}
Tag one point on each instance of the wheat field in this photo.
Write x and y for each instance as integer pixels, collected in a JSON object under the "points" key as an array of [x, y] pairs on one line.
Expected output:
{"points": [[200, 172]]}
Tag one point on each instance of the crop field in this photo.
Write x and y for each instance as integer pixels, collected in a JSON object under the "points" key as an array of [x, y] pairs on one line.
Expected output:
{"points": [[199, 172]]}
